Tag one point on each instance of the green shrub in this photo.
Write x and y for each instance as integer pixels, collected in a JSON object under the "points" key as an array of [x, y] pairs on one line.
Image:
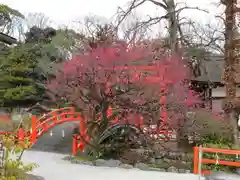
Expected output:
{"points": [[219, 142]]}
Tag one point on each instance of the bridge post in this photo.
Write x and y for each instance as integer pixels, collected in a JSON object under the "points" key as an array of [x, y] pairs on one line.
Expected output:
{"points": [[82, 132], [20, 134], [55, 116], [74, 145], [34, 129], [195, 160]]}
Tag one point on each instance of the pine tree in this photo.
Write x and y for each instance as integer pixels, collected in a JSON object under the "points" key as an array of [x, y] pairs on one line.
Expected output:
{"points": [[18, 77]]}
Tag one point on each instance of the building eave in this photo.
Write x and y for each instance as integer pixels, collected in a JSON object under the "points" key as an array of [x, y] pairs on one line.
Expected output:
{"points": [[7, 39]]}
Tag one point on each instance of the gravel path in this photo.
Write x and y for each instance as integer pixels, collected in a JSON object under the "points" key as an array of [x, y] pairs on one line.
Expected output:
{"points": [[49, 151], [52, 167]]}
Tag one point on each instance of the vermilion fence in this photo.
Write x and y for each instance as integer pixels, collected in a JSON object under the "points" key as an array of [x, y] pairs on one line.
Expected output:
{"points": [[5, 118], [199, 160]]}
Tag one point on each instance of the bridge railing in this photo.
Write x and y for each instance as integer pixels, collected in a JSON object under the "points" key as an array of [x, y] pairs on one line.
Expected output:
{"points": [[56, 113], [199, 160]]}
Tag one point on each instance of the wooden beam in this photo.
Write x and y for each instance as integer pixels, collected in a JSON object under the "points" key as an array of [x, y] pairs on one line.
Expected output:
{"points": [[7, 39]]}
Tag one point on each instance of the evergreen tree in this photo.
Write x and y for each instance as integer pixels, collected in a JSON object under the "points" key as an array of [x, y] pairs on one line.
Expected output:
{"points": [[18, 82]]}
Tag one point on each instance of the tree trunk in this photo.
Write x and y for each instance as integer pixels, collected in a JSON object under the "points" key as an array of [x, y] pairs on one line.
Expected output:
{"points": [[182, 135], [230, 64], [173, 26], [234, 124]]}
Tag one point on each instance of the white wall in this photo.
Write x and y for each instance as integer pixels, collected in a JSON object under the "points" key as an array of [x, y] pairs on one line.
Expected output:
{"points": [[221, 92], [217, 105]]}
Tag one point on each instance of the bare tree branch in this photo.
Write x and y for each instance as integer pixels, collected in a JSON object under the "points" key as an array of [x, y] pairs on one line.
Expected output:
{"points": [[172, 14], [133, 5]]}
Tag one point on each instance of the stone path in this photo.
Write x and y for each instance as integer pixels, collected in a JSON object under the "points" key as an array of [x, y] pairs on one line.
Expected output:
{"points": [[52, 167], [49, 151]]}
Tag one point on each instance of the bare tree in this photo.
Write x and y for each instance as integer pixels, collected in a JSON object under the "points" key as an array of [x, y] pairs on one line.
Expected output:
{"points": [[131, 31], [39, 20], [209, 36], [21, 26], [172, 16]]}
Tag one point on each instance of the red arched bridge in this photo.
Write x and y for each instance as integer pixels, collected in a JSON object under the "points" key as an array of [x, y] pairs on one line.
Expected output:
{"points": [[41, 125]]}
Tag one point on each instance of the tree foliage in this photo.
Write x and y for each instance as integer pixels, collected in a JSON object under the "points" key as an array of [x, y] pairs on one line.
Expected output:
{"points": [[26, 67], [18, 79], [36, 35], [7, 15], [131, 81]]}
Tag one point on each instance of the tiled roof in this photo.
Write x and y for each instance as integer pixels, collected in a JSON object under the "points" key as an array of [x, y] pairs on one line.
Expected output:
{"points": [[212, 69]]}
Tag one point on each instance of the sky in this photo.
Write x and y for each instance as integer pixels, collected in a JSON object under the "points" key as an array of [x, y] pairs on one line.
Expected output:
{"points": [[64, 11], [68, 13]]}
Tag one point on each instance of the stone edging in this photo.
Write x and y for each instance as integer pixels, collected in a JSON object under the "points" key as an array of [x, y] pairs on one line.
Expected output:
{"points": [[118, 164]]}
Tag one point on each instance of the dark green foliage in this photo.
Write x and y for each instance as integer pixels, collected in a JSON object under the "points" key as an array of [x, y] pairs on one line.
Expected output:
{"points": [[18, 81], [24, 71], [36, 35], [26, 68]]}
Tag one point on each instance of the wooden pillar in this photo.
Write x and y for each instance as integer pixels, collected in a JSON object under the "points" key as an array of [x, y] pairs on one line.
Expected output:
{"points": [[210, 97], [21, 134], [82, 132], [34, 130], [195, 160], [74, 145]]}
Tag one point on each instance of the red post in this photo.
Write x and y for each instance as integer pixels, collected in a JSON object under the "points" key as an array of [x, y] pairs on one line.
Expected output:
{"points": [[82, 129], [34, 129], [81, 146], [55, 114], [74, 145], [195, 160], [109, 112], [21, 134], [141, 122]]}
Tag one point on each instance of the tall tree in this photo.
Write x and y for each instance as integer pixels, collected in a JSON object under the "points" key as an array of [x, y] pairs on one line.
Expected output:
{"points": [[172, 16], [26, 67], [18, 78], [39, 20], [230, 65]]}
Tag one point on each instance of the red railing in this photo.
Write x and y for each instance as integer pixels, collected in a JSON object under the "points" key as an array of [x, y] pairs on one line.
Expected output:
{"points": [[199, 160], [67, 114]]}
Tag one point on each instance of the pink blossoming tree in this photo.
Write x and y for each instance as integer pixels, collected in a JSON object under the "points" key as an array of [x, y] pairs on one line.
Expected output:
{"points": [[131, 82]]}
